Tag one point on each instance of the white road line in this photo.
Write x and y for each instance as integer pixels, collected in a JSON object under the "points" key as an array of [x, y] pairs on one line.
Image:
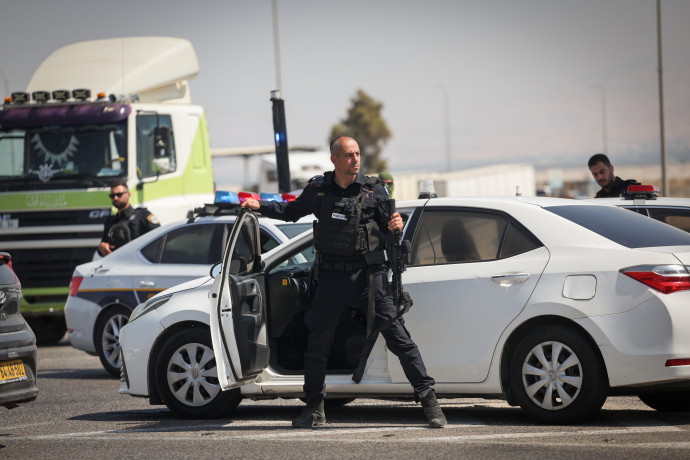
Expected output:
{"points": [[332, 435]]}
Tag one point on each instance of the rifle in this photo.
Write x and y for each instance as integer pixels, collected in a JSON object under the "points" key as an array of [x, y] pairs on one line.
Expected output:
{"points": [[395, 254]]}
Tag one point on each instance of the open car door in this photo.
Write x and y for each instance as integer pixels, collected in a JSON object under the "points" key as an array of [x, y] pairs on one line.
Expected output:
{"points": [[238, 307]]}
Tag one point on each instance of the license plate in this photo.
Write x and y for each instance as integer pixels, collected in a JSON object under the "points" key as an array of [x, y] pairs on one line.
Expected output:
{"points": [[12, 371]]}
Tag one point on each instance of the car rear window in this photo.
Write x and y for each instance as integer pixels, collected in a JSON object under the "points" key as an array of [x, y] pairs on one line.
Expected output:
{"points": [[626, 228]]}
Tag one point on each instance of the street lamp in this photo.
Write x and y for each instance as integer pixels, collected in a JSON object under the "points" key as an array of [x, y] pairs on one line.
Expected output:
{"points": [[603, 115]]}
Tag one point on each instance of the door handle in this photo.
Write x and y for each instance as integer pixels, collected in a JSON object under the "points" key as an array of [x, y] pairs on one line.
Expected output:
{"points": [[508, 279], [147, 283]]}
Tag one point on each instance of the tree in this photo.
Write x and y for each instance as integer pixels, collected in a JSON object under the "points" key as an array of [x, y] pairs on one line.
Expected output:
{"points": [[365, 124]]}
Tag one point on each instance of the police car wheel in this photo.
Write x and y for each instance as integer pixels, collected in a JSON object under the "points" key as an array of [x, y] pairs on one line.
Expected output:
{"points": [[108, 337], [187, 376], [556, 375]]}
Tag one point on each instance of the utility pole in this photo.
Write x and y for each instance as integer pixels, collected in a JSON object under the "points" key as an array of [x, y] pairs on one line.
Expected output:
{"points": [[664, 179]]}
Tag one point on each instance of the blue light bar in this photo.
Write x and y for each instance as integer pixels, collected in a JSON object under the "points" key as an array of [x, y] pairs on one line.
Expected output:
{"points": [[271, 196], [223, 196]]}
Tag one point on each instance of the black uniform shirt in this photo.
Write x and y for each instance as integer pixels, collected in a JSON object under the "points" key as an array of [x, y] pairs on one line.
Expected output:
{"points": [[618, 188], [139, 221], [309, 202]]}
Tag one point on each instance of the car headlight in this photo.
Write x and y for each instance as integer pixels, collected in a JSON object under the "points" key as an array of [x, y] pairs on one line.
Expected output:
{"points": [[148, 306]]}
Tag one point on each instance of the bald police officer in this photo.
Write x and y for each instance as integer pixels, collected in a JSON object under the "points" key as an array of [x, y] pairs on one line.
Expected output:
{"points": [[347, 205]]}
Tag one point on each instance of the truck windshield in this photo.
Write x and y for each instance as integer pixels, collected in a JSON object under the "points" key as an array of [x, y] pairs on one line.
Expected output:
{"points": [[63, 153]]}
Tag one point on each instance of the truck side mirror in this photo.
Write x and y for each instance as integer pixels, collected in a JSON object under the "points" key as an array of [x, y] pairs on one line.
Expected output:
{"points": [[161, 142]]}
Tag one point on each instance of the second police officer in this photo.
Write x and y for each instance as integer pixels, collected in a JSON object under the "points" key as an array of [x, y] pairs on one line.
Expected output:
{"points": [[347, 206]]}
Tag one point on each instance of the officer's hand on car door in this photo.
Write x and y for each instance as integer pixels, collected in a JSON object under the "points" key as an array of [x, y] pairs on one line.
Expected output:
{"points": [[251, 204]]}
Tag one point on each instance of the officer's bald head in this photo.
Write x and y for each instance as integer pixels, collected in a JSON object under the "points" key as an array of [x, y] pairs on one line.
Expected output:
{"points": [[338, 144]]}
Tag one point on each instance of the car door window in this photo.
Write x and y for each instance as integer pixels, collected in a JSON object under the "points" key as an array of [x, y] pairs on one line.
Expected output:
{"points": [[191, 244], [467, 236], [679, 218]]}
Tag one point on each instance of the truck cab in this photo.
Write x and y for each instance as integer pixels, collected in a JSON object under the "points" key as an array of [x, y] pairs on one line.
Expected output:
{"points": [[95, 113]]}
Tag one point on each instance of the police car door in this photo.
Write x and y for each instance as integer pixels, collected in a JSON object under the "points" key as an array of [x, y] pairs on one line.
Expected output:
{"points": [[238, 307]]}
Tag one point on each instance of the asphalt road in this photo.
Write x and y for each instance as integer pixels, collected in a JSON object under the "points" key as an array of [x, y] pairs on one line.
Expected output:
{"points": [[80, 414]]}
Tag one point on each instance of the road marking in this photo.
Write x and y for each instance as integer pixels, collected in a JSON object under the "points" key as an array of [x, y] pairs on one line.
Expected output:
{"points": [[327, 434]]}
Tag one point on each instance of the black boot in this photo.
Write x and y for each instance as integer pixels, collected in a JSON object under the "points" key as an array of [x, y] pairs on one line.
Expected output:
{"points": [[312, 415], [431, 409]]}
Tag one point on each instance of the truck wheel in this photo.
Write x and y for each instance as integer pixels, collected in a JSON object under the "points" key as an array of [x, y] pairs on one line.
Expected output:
{"points": [[108, 338], [668, 401], [187, 377], [48, 329], [556, 377]]}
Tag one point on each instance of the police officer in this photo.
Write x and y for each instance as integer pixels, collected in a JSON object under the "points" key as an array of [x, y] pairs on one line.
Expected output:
{"points": [[612, 186], [346, 203], [127, 224]]}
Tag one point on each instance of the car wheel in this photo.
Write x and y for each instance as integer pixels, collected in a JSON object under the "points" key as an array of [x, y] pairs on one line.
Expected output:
{"points": [[556, 377], [187, 377], [668, 401], [108, 338]]}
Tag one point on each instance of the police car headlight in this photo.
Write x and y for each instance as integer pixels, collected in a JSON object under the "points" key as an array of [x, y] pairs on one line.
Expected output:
{"points": [[148, 306]]}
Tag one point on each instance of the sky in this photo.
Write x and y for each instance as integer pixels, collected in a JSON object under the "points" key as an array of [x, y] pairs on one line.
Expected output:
{"points": [[523, 80]]}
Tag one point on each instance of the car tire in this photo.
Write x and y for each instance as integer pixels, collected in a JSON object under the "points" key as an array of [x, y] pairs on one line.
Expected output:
{"points": [[557, 394], [187, 377], [668, 401], [108, 337]]}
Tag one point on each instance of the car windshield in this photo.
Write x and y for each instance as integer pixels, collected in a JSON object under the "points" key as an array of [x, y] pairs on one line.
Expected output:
{"points": [[64, 152], [292, 230], [626, 228]]}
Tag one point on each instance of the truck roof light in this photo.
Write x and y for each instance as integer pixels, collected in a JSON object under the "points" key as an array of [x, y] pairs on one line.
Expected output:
{"points": [[61, 95], [641, 192], [666, 279], [100, 95], [81, 94], [244, 195], [271, 196], [20, 97], [40, 96], [223, 196], [8, 99]]}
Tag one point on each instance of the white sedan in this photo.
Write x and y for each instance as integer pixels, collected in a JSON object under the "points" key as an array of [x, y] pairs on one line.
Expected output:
{"points": [[550, 304], [104, 292]]}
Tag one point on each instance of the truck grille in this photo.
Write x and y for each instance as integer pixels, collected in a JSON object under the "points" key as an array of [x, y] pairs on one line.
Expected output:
{"points": [[48, 267]]}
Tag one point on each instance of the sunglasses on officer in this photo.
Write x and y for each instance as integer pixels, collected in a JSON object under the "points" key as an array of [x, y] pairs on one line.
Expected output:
{"points": [[113, 195]]}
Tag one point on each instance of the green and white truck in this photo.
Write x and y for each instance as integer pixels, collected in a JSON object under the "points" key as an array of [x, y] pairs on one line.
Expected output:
{"points": [[94, 113]]}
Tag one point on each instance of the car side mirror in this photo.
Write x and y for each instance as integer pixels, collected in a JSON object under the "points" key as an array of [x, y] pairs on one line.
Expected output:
{"points": [[161, 142]]}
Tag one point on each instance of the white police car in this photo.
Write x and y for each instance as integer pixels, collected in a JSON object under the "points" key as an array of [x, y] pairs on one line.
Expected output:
{"points": [[551, 304], [644, 199], [104, 292]]}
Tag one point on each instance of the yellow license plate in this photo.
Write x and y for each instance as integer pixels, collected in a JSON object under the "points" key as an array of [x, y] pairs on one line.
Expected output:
{"points": [[12, 371]]}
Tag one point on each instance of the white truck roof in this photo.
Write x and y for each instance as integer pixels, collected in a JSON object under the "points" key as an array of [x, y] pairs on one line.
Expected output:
{"points": [[155, 68]]}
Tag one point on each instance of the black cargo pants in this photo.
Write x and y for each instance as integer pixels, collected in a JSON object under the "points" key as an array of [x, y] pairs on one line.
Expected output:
{"points": [[336, 291]]}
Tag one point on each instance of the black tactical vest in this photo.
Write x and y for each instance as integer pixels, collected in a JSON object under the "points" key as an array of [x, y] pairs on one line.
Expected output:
{"points": [[338, 230]]}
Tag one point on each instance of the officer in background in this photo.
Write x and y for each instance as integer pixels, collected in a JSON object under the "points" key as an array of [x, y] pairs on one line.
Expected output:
{"points": [[612, 186], [127, 224], [346, 203], [387, 179]]}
